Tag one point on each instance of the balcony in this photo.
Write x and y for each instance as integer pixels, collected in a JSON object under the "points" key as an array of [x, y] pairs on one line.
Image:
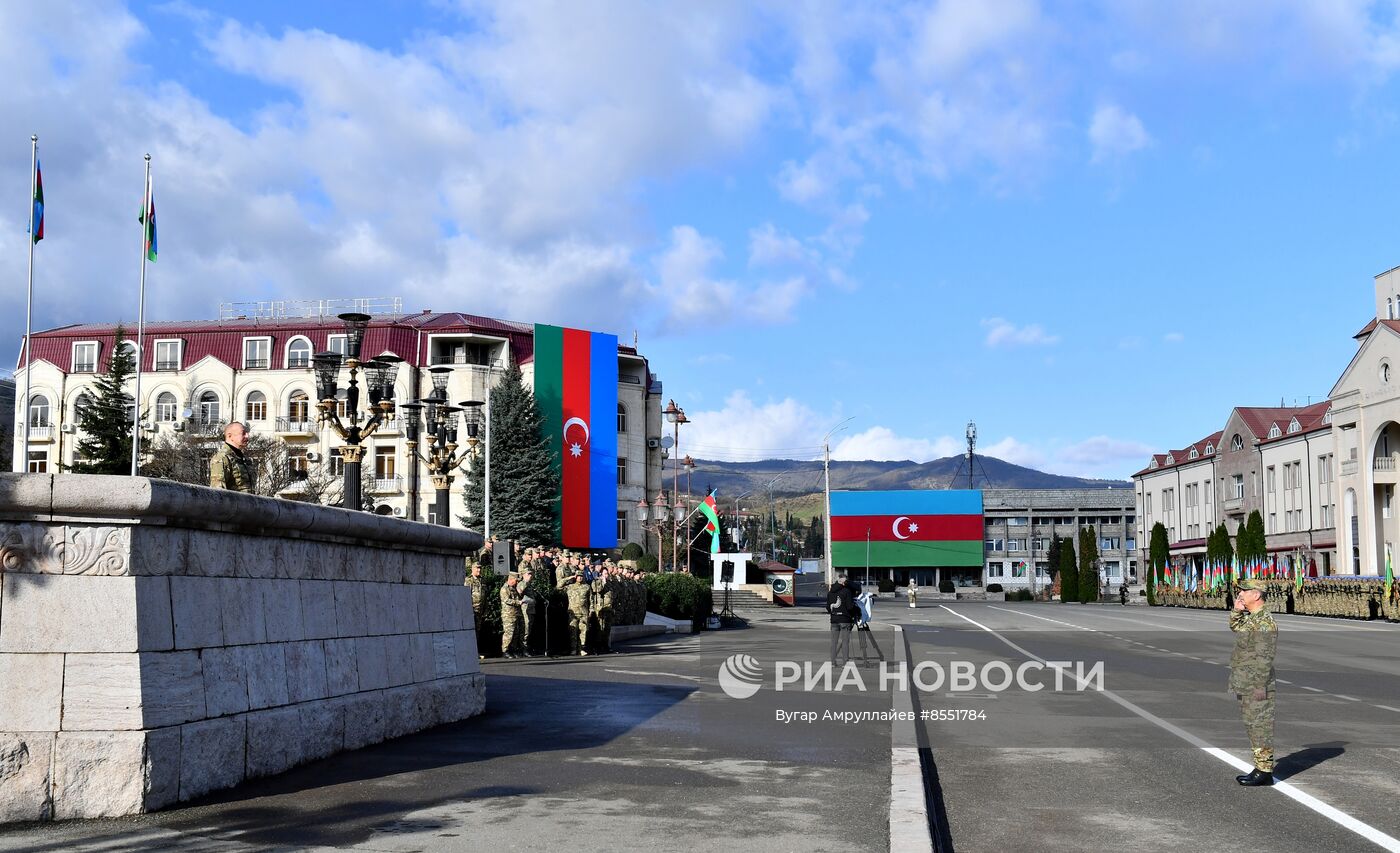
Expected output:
{"points": [[1383, 463], [36, 433], [1232, 504], [1349, 467], [256, 364], [287, 426], [167, 366], [387, 485]]}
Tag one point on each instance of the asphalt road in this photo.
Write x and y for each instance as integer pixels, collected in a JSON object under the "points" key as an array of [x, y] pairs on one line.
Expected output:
{"points": [[1131, 767]]}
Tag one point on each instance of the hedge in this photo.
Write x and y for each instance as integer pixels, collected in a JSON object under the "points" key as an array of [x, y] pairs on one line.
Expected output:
{"points": [[678, 595]]}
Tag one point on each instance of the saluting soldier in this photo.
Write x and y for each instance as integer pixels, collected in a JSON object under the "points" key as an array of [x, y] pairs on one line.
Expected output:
{"points": [[603, 589], [230, 468], [575, 586], [1252, 675], [510, 615]]}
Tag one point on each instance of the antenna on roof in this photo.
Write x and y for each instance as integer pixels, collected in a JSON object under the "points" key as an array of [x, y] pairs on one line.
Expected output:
{"points": [[634, 339]]}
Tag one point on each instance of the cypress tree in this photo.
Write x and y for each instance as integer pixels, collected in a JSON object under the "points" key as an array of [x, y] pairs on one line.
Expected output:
{"points": [[524, 486], [1158, 553], [1088, 566], [1069, 572], [105, 419], [1052, 557]]}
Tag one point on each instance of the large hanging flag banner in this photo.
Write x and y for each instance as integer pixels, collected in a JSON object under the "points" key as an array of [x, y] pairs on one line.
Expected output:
{"points": [[576, 387], [39, 202], [710, 510], [907, 528]]}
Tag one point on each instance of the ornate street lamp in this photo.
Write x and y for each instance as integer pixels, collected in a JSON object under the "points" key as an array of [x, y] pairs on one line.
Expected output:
{"points": [[354, 427], [675, 415], [657, 514], [438, 429]]}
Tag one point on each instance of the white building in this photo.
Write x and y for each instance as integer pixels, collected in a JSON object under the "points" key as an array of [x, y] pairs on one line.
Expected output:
{"points": [[198, 375]]}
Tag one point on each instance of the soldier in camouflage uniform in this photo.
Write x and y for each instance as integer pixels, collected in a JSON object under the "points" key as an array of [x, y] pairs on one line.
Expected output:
{"points": [[528, 604], [575, 586], [510, 615], [230, 469], [474, 581], [604, 589], [1252, 675]]}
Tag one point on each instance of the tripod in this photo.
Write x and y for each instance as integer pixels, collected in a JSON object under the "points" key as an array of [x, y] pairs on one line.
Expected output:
{"points": [[727, 612]]}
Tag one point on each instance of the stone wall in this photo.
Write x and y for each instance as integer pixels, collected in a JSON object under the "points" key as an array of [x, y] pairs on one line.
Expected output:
{"points": [[161, 641]]}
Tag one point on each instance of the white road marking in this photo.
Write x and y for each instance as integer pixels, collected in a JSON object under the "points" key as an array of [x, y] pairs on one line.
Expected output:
{"points": [[667, 674], [1388, 708], [1341, 818], [1348, 698], [909, 824], [1312, 689]]}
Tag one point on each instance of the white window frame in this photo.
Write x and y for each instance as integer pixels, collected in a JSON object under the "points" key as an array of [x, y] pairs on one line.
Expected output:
{"points": [[344, 343], [385, 453], [37, 456], [198, 404], [287, 352], [179, 352], [48, 410], [96, 356], [174, 411], [266, 339], [248, 400], [622, 525]]}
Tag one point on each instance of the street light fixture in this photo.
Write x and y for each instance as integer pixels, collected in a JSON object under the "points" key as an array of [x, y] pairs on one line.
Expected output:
{"points": [[675, 415], [657, 514], [355, 427], [438, 429]]}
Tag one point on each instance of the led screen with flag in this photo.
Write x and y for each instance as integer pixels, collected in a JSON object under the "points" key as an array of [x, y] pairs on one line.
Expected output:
{"points": [[576, 387], [924, 528]]}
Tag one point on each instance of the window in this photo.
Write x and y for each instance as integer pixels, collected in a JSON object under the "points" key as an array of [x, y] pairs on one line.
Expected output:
{"points": [[622, 525], [80, 405], [336, 343], [1195, 453], [1210, 448], [209, 413], [166, 407], [1273, 522], [384, 463], [257, 353], [1272, 483], [296, 463], [335, 463], [299, 353], [621, 471], [39, 411], [299, 408], [1132, 544], [1110, 569], [1042, 570], [85, 357], [1238, 481], [1015, 544], [129, 348], [256, 408], [38, 462], [1109, 543], [1294, 426], [1018, 569], [1149, 506], [1236, 443], [995, 570], [341, 411], [1274, 431], [994, 545], [167, 355], [1017, 521], [621, 420]]}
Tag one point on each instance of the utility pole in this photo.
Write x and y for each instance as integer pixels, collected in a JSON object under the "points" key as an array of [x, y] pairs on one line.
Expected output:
{"points": [[826, 520]]}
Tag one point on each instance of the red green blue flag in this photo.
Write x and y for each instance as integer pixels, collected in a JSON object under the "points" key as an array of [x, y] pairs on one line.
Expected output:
{"points": [[576, 387], [711, 513], [147, 217], [923, 528], [38, 222]]}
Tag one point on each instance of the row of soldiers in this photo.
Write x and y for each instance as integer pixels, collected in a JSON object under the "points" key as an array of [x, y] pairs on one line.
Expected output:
{"points": [[600, 594]]}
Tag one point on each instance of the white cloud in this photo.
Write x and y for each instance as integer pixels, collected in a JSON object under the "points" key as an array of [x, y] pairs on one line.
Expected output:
{"points": [[1173, 337], [882, 443], [1115, 134], [693, 295], [1101, 451], [745, 430], [1002, 332]]}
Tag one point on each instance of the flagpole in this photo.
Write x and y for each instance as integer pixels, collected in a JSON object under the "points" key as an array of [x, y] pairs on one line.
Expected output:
{"points": [[29, 295], [140, 327]]}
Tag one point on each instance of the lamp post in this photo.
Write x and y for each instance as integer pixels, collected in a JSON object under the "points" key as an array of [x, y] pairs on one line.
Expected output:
{"points": [[438, 429], [773, 516], [658, 514], [355, 427], [675, 415], [826, 475]]}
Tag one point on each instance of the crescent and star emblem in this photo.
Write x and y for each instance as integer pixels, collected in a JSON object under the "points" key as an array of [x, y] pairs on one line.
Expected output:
{"points": [[576, 449], [913, 528]]}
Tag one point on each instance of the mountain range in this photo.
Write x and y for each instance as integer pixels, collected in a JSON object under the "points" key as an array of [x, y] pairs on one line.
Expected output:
{"points": [[803, 477]]}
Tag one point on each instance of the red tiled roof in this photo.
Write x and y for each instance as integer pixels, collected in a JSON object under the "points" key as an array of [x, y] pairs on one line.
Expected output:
{"points": [[1369, 327], [1309, 420], [1183, 456]]}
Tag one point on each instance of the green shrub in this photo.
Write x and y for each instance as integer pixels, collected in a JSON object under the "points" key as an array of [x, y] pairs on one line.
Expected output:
{"points": [[632, 551], [646, 563], [994, 587], [946, 586], [678, 595], [885, 585]]}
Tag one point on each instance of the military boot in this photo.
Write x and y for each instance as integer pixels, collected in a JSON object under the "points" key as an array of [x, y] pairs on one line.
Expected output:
{"points": [[1256, 778]]}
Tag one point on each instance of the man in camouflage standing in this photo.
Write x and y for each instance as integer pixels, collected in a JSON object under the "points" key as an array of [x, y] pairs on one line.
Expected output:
{"points": [[528, 603], [603, 588], [575, 586], [510, 615], [230, 468], [1252, 675]]}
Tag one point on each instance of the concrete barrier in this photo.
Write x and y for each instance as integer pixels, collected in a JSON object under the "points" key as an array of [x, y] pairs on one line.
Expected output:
{"points": [[160, 641]]}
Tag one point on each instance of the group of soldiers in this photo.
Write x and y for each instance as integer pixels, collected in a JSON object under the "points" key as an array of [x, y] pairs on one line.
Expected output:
{"points": [[600, 594]]}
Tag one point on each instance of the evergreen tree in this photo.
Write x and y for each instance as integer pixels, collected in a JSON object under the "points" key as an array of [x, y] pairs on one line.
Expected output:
{"points": [[1224, 550], [1250, 543], [524, 486], [105, 419], [1088, 565], [1158, 552], [1069, 572], [1052, 557]]}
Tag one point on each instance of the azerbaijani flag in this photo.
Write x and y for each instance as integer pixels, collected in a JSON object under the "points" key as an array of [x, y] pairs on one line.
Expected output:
{"points": [[38, 224], [711, 513], [907, 528], [576, 387], [147, 217]]}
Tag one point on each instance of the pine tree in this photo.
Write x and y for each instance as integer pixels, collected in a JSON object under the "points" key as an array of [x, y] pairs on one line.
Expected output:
{"points": [[1158, 552], [1052, 557], [1088, 566], [105, 419], [1069, 572], [524, 486]]}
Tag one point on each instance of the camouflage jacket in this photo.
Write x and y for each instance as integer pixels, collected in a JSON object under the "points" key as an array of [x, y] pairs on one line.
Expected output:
{"points": [[230, 469], [578, 592], [510, 598], [1256, 643], [477, 588]]}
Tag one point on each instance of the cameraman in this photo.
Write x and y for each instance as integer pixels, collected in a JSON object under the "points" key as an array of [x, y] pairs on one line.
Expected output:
{"points": [[844, 614]]}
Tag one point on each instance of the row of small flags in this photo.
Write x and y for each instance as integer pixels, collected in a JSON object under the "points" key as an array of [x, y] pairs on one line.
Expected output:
{"points": [[146, 214], [1218, 574]]}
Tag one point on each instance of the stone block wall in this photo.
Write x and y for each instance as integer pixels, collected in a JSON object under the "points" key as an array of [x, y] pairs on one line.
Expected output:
{"points": [[160, 641]]}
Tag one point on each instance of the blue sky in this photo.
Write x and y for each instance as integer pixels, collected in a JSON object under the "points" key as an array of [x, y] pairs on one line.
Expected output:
{"points": [[1091, 227]]}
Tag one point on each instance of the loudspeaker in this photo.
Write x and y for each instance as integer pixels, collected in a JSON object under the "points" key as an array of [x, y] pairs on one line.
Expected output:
{"points": [[503, 556], [726, 571]]}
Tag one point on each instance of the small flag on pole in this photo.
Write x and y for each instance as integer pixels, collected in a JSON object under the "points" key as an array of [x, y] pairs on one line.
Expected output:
{"points": [[711, 513], [38, 203], [147, 218]]}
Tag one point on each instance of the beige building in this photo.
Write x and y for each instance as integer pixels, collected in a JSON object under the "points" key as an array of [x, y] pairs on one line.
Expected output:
{"points": [[196, 376]]}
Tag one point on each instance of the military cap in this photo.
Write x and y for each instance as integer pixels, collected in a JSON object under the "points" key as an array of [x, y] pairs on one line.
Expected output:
{"points": [[1251, 583], [513, 576]]}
